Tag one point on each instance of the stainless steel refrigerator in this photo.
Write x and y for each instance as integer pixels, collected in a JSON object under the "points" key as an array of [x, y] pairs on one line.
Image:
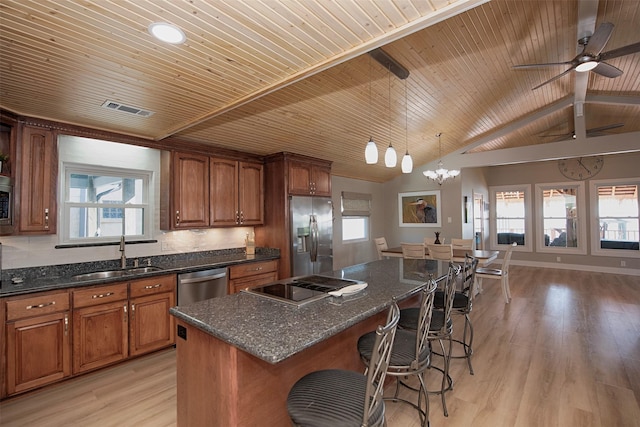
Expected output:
{"points": [[311, 234]]}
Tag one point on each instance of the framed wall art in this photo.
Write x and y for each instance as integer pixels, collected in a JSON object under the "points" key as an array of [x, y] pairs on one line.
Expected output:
{"points": [[419, 209]]}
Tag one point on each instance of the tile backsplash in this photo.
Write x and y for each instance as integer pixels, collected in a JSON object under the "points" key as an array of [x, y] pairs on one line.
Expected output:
{"points": [[33, 251]]}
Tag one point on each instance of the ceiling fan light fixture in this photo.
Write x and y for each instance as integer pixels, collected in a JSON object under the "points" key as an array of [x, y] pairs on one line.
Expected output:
{"points": [[167, 33], [371, 152], [586, 66]]}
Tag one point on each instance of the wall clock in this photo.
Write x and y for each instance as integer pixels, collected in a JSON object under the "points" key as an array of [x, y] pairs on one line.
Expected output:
{"points": [[580, 168]]}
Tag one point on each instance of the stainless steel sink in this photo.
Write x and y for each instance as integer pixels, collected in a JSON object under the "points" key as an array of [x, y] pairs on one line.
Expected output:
{"points": [[115, 273]]}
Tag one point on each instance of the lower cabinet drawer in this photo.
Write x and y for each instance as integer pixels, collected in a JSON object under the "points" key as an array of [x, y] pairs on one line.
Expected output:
{"points": [[252, 269], [100, 295], [37, 305], [152, 285]]}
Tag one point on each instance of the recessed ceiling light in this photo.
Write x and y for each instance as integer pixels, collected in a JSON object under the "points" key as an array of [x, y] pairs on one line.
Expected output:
{"points": [[167, 33]]}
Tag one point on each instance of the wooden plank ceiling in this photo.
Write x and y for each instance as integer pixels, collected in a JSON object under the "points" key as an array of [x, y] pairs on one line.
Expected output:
{"points": [[264, 76]]}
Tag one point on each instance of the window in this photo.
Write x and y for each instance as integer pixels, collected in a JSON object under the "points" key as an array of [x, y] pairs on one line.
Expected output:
{"points": [[356, 209], [511, 216], [102, 204], [561, 224], [616, 218]]}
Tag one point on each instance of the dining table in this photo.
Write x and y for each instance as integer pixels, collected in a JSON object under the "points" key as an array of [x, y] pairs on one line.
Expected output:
{"points": [[484, 257]]}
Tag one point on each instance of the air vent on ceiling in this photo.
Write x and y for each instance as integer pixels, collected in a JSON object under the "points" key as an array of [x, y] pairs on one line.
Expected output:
{"points": [[112, 105]]}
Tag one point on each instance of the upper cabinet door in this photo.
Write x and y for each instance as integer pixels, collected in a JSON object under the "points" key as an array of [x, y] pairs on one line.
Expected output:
{"points": [[251, 193], [308, 179], [224, 192], [36, 205], [190, 191]]}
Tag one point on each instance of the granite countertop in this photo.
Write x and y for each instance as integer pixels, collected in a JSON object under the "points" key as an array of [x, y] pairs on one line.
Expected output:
{"points": [[46, 278], [274, 331]]}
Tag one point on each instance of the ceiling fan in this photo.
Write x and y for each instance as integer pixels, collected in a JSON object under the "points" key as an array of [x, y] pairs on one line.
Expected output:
{"points": [[599, 131], [591, 58]]}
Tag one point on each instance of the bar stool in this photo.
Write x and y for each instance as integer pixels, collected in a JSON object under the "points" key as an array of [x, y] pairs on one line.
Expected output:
{"points": [[410, 353], [441, 328], [462, 305], [335, 397]]}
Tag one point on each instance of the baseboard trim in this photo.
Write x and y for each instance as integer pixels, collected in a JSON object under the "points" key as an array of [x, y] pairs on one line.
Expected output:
{"points": [[579, 267]]}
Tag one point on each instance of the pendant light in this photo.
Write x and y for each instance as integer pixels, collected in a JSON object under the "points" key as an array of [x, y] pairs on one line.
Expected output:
{"points": [[407, 161], [390, 156], [371, 150]]}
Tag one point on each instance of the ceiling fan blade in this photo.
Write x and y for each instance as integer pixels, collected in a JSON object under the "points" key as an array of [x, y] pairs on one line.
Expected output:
{"points": [[621, 51], [603, 128], [607, 70], [563, 135], [541, 65], [554, 78], [599, 39]]}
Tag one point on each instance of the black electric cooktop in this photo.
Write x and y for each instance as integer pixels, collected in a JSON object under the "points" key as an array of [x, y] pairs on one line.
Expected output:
{"points": [[302, 290]]}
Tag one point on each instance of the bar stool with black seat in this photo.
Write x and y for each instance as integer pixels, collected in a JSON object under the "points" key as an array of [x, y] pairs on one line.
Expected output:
{"points": [[338, 397], [441, 328], [462, 305], [410, 353]]}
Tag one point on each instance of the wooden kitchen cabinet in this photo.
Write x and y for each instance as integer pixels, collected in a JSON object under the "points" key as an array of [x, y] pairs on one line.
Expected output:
{"points": [[38, 169], [284, 175], [38, 350], [253, 274], [185, 191], [309, 179], [100, 326], [236, 192], [151, 326]]}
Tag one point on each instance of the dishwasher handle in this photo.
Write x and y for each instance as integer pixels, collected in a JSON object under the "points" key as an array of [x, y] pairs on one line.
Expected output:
{"points": [[203, 278]]}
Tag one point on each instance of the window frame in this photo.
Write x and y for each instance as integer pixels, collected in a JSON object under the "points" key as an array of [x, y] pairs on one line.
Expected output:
{"points": [[493, 235], [69, 168], [596, 250], [581, 249], [359, 209]]}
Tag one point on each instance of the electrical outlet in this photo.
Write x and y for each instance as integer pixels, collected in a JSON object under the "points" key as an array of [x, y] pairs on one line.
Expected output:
{"points": [[623, 263], [165, 246], [558, 259]]}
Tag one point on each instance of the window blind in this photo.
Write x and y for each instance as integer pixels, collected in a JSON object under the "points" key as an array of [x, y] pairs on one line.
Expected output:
{"points": [[356, 204]]}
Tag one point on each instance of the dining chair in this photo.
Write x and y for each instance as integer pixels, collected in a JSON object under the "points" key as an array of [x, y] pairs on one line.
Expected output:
{"points": [[462, 243], [441, 252], [462, 305], [440, 329], [334, 397], [413, 250], [381, 245], [501, 274], [410, 353]]}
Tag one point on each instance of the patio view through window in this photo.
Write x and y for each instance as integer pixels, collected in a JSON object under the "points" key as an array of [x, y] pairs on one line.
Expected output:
{"points": [[560, 217], [510, 215], [618, 216]]}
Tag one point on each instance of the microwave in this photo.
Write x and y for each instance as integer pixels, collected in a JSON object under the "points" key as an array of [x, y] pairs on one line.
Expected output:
{"points": [[6, 200]]}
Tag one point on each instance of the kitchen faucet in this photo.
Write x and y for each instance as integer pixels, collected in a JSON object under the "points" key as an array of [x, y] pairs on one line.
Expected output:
{"points": [[123, 258]]}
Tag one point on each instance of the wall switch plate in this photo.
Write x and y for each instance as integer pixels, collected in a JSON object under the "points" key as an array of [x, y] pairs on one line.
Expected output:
{"points": [[623, 263], [558, 259]]}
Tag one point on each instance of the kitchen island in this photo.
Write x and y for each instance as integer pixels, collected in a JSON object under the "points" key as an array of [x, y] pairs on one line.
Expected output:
{"points": [[238, 356]]}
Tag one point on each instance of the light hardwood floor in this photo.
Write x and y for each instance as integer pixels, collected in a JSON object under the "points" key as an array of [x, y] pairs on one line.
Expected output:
{"points": [[565, 352]]}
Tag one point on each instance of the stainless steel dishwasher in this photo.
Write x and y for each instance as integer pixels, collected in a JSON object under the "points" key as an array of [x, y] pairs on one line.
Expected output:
{"points": [[201, 285]]}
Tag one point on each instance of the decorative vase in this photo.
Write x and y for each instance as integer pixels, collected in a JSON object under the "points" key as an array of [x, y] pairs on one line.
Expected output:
{"points": [[437, 241]]}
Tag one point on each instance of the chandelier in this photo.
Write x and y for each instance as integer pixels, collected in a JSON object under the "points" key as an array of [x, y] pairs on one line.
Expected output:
{"points": [[441, 174]]}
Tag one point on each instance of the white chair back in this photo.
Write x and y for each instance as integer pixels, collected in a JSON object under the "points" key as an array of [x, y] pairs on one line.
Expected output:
{"points": [[381, 245], [442, 252], [413, 250], [462, 243]]}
